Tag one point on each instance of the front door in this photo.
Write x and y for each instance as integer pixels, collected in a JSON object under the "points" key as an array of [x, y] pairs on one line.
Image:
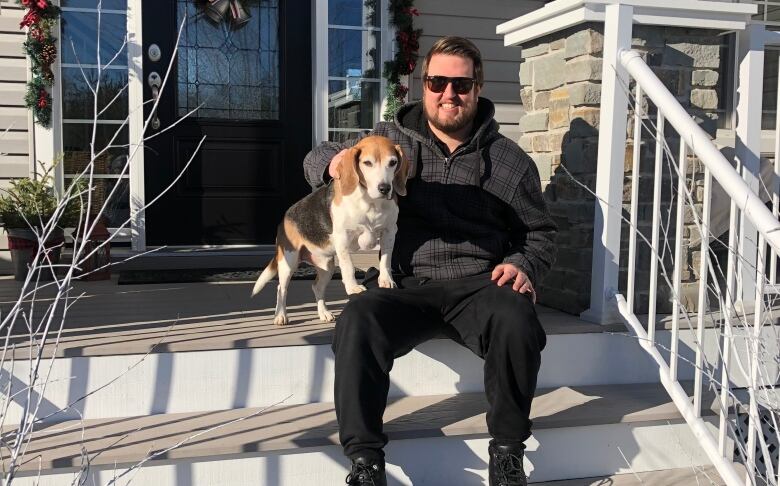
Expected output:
{"points": [[250, 87]]}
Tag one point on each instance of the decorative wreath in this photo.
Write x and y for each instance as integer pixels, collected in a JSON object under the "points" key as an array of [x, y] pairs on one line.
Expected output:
{"points": [[41, 48], [402, 14]]}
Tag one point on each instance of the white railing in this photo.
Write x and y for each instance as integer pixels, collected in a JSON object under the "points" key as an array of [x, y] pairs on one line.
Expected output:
{"points": [[731, 309], [731, 312]]}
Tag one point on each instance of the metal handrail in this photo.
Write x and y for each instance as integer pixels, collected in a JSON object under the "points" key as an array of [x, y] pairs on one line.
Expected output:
{"points": [[693, 139], [701, 145]]}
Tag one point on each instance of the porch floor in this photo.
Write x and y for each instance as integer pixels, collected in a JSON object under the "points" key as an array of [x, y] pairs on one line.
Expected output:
{"points": [[111, 319]]}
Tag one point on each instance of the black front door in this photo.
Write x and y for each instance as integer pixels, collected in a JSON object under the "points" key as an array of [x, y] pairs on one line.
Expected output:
{"points": [[251, 86]]}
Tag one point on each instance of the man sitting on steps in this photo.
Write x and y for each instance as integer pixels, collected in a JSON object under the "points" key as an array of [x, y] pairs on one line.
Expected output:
{"points": [[474, 236]]}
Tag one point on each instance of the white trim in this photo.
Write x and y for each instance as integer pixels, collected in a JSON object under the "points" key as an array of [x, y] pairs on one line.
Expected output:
{"points": [[560, 14], [355, 130], [345, 78], [609, 173], [94, 66], [136, 122], [387, 37], [93, 10], [99, 176], [48, 142], [747, 150], [355, 27], [320, 72], [84, 121]]}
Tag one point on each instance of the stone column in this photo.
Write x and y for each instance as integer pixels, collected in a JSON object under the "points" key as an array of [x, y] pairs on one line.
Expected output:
{"points": [[560, 77]]}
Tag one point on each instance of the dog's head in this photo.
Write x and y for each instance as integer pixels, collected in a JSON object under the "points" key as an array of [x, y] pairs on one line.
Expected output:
{"points": [[376, 164]]}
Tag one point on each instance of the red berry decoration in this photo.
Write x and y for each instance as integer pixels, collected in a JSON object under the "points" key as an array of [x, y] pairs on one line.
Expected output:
{"points": [[42, 50]]}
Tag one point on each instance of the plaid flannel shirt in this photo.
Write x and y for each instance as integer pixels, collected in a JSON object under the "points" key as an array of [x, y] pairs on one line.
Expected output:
{"points": [[464, 212]]}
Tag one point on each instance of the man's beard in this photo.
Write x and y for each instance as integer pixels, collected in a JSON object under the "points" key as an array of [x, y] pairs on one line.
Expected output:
{"points": [[467, 115]]}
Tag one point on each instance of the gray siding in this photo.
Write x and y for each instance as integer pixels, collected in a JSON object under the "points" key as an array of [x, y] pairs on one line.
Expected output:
{"points": [[15, 119], [477, 21]]}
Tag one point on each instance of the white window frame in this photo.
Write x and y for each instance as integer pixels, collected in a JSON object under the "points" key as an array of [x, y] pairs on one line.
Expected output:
{"points": [[58, 120], [320, 66]]}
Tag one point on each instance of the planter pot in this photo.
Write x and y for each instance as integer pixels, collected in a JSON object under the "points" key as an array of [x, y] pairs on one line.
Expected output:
{"points": [[24, 245]]}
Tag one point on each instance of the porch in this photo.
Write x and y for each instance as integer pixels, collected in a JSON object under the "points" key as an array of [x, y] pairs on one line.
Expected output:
{"points": [[201, 366]]}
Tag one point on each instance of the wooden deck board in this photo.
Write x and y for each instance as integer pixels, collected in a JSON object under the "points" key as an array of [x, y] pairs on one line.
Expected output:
{"points": [[241, 431], [134, 319]]}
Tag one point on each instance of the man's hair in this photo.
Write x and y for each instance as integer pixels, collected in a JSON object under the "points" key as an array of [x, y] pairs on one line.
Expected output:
{"points": [[456, 46]]}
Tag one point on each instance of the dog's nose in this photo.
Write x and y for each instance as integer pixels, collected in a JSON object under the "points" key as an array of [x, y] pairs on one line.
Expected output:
{"points": [[384, 188]]}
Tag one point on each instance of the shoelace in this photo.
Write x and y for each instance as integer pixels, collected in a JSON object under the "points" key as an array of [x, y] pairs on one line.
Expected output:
{"points": [[361, 474], [510, 468]]}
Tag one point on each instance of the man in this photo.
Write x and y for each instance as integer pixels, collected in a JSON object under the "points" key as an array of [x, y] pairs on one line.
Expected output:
{"points": [[474, 236]]}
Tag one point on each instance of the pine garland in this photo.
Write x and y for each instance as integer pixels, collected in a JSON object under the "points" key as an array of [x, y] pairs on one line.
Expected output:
{"points": [[402, 13], [41, 48]]}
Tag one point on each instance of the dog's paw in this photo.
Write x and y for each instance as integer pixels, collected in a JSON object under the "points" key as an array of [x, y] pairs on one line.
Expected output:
{"points": [[355, 289], [281, 320], [326, 316], [386, 282]]}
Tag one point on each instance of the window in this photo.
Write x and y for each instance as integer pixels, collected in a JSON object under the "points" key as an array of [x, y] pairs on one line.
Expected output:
{"points": [[80, 60], [769, 14], [234, 74], [356, 41]]}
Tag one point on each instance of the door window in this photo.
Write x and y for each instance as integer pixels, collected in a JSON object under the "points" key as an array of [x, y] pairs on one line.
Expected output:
{"points": [[231, 73]]}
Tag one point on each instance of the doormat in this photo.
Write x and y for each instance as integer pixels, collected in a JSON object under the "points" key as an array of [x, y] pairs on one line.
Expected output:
{"points": [[136, 277]]}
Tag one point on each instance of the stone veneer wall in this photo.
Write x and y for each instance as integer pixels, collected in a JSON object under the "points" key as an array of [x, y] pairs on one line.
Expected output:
{"points": [[560, 77]]}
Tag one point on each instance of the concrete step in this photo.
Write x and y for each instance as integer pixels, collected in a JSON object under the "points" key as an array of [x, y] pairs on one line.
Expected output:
{"points": [[150, 349], [599, 430]]}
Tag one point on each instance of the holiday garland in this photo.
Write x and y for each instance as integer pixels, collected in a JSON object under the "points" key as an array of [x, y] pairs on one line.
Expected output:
{"points": [[402, 13], [41, 48]]}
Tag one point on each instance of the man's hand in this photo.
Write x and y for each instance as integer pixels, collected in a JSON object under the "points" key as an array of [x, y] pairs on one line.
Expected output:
{"points": [[505, 272], [333, 168]]}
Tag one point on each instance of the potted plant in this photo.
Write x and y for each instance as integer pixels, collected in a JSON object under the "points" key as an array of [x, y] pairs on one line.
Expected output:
{"points": [[26, 208]]}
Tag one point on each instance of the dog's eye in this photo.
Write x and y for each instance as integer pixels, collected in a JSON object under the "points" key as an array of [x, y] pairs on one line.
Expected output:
{"points": [[367, 163], [392, 163]]}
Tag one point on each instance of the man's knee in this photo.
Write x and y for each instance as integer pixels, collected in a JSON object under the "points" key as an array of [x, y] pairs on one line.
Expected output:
{"points": [[358, 321], [514, 320]]}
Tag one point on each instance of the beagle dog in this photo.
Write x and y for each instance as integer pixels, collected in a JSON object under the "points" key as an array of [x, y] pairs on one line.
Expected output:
{"points": [[357, 210]]}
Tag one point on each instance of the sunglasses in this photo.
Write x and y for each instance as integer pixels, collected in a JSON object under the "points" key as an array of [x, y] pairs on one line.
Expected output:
{"points": [[438, 84]]}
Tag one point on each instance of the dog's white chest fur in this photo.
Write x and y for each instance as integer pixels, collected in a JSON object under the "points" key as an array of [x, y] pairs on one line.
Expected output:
{"points": [[364, 220]]}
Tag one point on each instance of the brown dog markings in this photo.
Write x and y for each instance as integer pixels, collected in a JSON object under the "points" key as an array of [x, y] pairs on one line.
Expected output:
{"points": [[399, 182], [289, 238], [349, 174]]}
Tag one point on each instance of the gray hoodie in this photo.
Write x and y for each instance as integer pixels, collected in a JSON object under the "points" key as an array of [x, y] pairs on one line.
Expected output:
{"points": [[464, 212]]}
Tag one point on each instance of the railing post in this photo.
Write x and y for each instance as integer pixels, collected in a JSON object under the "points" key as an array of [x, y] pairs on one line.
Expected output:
{"points": [[609, 172], [749, 95]]}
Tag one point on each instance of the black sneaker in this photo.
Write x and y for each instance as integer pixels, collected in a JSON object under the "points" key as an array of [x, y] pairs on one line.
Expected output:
{"points": [[367, 472], [506, 465]]}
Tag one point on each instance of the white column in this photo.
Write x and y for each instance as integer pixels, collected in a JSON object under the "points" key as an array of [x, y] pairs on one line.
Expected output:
{"points": [[609, 173], [135, 94], [749, 96]]}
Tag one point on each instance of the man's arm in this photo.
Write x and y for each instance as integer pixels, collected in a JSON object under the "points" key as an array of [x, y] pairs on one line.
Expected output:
{"points": [[532, 229], [316, 162]]}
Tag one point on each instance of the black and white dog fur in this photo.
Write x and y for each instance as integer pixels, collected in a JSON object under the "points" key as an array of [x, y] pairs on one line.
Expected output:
{"points": [[357, 210]]}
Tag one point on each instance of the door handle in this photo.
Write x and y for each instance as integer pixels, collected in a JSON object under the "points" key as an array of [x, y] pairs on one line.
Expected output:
{"points": [[155, 82]]}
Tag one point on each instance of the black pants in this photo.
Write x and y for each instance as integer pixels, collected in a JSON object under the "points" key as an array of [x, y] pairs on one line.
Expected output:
{"points": [[377, 326]]}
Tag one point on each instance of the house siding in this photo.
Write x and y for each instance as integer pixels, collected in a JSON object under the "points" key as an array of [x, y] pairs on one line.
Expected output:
{"points": [[477, 21], [15, 119]]}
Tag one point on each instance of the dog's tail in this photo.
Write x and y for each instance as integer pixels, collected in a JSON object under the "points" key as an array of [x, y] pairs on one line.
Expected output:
{"points": [[270, 272]]}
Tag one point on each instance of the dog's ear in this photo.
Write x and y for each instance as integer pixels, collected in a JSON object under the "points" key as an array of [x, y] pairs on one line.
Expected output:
{"points": [[348, 171], [402, 173]]}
